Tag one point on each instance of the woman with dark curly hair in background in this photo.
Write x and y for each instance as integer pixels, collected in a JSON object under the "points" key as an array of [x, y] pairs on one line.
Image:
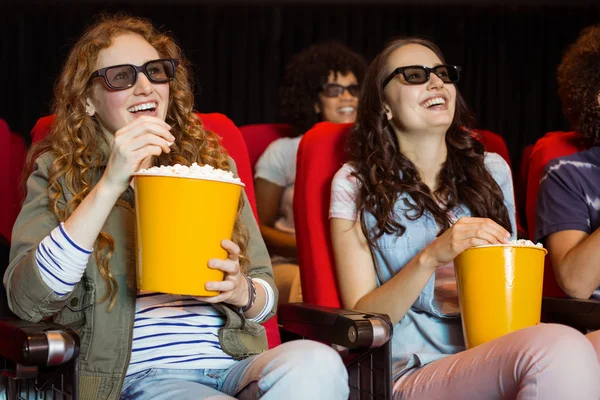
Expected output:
{"points": [[416, 192], [568, 203], [321, 83]]}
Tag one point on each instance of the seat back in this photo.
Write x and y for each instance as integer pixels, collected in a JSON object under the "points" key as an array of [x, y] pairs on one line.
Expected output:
{"points": [[5, 180], [320, 156], [12, 159], [493, 143], [549, 147], [521, 184], [233, 141], [259, 136]]}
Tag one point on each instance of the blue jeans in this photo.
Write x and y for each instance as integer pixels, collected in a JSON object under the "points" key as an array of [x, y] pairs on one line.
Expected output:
{"points": [[300, 369]]}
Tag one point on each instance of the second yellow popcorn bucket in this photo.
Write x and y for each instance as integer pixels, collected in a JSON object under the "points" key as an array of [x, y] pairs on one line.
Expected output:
{"points": [[180, 223], [499, 290]]}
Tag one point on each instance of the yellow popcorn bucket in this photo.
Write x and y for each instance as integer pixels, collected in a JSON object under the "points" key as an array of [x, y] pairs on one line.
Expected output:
{"points": [[180, 223], [499, 290]]}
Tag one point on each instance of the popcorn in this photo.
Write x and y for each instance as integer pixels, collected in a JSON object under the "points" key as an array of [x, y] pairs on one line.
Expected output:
{"points": [[194, 171], [525, 243]]}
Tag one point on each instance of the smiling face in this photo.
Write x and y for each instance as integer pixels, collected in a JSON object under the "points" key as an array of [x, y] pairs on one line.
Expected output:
{"points": [[418, 108], [340, 109], [116, 108]]}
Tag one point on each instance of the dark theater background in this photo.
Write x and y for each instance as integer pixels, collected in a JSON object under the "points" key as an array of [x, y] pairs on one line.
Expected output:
{"points": [[509, 51]]}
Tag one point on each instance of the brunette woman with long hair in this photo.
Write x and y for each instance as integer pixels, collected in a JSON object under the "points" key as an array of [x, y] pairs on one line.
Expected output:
{"points": [[417, 191], [123, 102]]}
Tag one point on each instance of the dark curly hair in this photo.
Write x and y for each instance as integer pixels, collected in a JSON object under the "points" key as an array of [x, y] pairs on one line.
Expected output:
{"points": [[309, 70], [579, 84], [383, 172]]}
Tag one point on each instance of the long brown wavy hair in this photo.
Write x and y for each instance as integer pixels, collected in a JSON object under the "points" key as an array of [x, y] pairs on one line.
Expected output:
{"points": [[579, 84], [384, 172], [75, 139]]}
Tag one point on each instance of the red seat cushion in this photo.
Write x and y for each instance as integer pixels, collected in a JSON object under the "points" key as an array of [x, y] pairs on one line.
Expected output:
{"points": [[259, 136], [494, 143], [549, 147], [232, 140], [320, 156], [521, 183], [12, 159], [5, 181]]}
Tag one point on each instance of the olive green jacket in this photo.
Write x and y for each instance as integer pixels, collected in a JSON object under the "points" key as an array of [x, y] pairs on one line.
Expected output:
{"points": [[106, 336]]}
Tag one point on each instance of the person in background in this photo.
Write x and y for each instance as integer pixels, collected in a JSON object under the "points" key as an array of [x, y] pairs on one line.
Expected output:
{"points": [[321, 83], [123, 101], [416, 192], [568, 203]]}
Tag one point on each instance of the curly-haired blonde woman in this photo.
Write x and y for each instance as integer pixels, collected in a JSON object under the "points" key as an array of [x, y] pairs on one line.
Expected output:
{"points": [[123, 102], [417, 191]]}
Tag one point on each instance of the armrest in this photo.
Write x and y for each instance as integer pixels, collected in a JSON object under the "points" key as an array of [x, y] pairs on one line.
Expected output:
{"points": [[37, 344], [574, 312], [347, 328]]}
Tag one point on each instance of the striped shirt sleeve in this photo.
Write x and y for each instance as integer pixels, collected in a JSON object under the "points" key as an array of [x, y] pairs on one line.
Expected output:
{"points": [[61, 261], [269, 303]]}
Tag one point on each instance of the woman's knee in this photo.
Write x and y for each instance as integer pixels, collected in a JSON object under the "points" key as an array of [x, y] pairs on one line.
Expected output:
{"points": [[560, 342], [316, 358], [563, 359], [306, 370]]}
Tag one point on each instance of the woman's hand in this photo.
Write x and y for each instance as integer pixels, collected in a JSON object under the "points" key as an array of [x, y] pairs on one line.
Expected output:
{"points": [[466, 232], [134, 146], [234, 287]]}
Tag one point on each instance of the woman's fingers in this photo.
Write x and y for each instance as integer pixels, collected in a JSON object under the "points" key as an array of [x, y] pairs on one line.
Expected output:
{"points": [[145, 152], [227, 266], [483, 234], [147, 140], [232, 249], [223, 286], [214, 299], [482, 228], [144, 125], [145, 119]]}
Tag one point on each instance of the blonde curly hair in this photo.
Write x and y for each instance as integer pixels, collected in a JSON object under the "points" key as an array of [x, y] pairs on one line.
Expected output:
{"points": [[75, 138]]}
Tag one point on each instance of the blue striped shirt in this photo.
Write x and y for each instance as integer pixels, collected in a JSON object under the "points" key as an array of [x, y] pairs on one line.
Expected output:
{"points": [[170, 331]]}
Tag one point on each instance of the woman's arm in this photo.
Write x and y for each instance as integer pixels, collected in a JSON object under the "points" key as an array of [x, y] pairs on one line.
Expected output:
{"points": [[358, 282], [356, 272], [134, 146], [34, 266], [268, 199]]}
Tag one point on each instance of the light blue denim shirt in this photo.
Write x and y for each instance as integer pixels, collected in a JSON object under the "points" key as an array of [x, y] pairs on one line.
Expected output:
{"points": [[426, 334]]}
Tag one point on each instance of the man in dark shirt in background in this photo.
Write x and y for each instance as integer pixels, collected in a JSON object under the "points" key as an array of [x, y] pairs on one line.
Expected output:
{"points": [[568, 203]]}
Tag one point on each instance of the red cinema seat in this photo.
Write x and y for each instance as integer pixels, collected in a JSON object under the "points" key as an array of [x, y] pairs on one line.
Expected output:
{"points": [[232, 140], [259, 136]]}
